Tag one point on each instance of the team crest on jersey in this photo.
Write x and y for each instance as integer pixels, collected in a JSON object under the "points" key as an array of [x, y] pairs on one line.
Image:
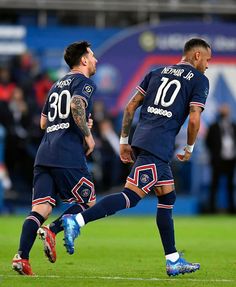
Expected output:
{"points": [[87, 90], [85, 192], [144, 178]]}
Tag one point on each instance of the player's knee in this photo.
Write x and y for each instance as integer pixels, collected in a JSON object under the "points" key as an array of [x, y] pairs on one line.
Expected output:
{"points": [[167, 199], [131, 197], [89, 204], [44, 209]]}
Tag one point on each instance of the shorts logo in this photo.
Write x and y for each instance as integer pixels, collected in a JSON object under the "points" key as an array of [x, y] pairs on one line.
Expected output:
{"points": [[85, 192], [144, 178], [87, 90]]}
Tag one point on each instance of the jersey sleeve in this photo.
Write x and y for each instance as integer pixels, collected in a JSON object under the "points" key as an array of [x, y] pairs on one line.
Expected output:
{"points": [[142, 87], [200, 92], [85, 89]]}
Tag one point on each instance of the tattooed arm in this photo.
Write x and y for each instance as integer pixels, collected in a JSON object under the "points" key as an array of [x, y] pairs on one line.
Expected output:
{"points": [[79, 116], [129, 112], [134, 103], [193, 128]]}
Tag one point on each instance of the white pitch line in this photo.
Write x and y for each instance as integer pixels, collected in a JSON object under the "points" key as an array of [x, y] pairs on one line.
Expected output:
{"points": [[119, 278]]}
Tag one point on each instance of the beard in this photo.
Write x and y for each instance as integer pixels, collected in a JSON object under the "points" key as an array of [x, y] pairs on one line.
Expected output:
{"points": [[92, 71]]}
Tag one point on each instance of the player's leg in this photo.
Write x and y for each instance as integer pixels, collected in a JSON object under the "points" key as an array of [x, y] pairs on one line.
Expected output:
{"points": [[68, 184], [75, 187], [41, 208], [142, 177], [107, 206], [48, 233], [33, 221], [56, 225], [164, 220], [166, 198]]}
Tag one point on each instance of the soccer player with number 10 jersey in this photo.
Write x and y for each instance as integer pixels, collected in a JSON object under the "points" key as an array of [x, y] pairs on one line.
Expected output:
{"points": [[167, 96]]}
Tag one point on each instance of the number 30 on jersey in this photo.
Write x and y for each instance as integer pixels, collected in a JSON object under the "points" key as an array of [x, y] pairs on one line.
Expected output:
{"points": [[58, 107]]}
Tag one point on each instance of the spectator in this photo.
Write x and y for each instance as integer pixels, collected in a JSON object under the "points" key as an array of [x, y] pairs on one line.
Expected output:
{"points": [[6, 85], [15, 118], [110, 157], [221, 142], [42, 85]]}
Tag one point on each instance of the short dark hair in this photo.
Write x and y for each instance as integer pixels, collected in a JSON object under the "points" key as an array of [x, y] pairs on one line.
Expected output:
{"points": [[195, 42], [74, 52]]}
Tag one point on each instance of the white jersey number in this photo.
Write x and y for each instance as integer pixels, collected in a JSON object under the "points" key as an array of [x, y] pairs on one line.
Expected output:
{"points": [[55, 102], [162, 91]]}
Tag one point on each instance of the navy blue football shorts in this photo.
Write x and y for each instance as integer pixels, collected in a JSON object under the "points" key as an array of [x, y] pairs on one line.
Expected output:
{"points": [[149, 172], [70, 184]]}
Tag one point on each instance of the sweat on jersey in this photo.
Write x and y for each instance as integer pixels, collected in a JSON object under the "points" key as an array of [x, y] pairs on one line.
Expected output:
{"points": [[168, 94], [62, 143]]}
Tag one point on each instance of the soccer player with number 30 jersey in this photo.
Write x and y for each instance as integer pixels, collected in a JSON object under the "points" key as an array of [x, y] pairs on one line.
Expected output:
{"points": [[60, 165], [167, 96]]}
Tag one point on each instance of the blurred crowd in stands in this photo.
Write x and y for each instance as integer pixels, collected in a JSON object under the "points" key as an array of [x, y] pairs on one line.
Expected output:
{"points": [[22, 92]]}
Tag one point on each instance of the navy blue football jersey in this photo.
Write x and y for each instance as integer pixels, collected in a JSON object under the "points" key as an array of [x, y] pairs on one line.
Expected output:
{"points": [[168, 94], [62, 143]]}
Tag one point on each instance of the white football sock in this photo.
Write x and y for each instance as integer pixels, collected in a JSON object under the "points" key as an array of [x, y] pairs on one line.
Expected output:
{"points": [[172, 257], [80, 220]]}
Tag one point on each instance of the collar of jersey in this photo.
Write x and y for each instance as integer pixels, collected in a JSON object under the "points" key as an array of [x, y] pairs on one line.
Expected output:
{"points": [[184, 63]]}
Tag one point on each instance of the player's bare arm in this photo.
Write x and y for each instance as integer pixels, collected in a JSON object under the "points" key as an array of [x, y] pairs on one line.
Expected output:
{"points": [[134, 103], [193, 124], [192, 131], [128, 116], [43, 122], [79, 116]]}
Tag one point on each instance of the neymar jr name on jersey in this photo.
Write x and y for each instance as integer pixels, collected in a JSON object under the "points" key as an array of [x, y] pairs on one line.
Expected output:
{"points": [[177, 73]]}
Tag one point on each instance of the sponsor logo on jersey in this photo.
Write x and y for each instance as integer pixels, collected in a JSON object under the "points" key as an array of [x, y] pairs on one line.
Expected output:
{"points": [[160, 112], [57, 127], [87, 90]]}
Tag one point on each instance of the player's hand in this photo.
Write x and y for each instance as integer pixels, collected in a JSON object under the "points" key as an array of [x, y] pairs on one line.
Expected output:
{"points": [[90, 144], [126, 153], [90, 123], [184, 157]]}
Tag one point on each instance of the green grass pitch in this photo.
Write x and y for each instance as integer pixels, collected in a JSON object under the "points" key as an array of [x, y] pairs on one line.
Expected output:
{"points": [[126, 251]]}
